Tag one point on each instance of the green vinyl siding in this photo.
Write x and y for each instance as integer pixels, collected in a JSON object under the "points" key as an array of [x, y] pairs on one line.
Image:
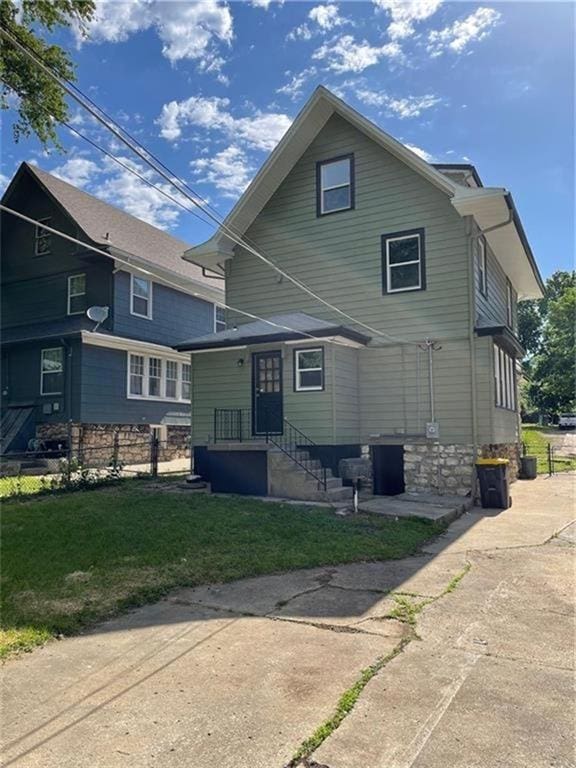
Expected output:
{"points": [[346, 394], [491, 308], [339, 256]]}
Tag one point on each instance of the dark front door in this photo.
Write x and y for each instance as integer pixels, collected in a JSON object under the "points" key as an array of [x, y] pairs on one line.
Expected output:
{"points": [[267, 412], [388, 469]]}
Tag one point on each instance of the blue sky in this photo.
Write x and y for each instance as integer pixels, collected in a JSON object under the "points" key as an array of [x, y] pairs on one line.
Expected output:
{"points": [[210, 88]]}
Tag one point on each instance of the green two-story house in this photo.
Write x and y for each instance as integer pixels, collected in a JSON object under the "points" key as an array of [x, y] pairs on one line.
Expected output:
{"points": [[388, 289]]}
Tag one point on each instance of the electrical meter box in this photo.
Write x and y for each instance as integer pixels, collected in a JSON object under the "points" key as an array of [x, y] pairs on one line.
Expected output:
{"points": [[433, 430]]}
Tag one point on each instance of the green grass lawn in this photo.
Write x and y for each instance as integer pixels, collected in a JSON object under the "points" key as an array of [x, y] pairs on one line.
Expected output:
{"points": [[72, 559], [536, 440], [24, 486]]}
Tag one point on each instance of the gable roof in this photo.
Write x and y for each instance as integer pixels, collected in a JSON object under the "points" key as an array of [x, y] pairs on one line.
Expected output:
{"points": [[117, 231], [308, 123]]}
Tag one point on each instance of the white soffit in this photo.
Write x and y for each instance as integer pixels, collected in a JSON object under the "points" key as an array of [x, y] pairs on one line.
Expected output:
{"points": [[490, 208]]}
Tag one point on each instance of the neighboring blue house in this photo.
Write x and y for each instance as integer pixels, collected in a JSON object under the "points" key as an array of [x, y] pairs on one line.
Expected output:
{"points": [[61, 375]]}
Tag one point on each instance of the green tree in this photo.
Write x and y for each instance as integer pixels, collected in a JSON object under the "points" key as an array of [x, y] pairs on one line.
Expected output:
{"points": [[38, 100], [552, 386]]}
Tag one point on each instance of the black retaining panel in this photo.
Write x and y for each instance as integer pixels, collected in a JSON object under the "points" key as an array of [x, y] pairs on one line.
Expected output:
{"points": [[243, 472]]}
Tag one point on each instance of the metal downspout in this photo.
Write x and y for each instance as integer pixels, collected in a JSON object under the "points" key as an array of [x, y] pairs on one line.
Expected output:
{"points": [[472, 337]]}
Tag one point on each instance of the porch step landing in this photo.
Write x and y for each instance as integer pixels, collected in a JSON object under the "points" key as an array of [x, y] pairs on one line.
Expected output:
{"points": [[438, 509]]}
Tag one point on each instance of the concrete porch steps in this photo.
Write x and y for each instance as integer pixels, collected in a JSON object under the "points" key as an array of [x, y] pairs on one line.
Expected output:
{"points": [[438, 509], [289, 480]]}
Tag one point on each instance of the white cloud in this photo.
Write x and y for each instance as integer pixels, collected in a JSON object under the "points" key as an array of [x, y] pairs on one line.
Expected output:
{"points": [[405, 13], [459, 35], [188, 30], [78, 170], [295, 86], [323, 19], [404, 107], [4, 181], [265, 4], [262, 130], [420, 152], [229, 171], [344, 54]]}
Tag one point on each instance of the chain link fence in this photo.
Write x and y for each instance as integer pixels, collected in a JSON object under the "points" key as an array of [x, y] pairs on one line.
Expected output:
{"points": [[551, 460], [46, 468]]}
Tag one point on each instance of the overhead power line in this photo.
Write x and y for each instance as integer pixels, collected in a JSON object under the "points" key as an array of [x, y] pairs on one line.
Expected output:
{"points": [[162, 170], [177, 286]]}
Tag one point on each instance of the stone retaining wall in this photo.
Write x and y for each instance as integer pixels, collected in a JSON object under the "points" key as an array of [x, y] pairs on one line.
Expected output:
{"points": [[437, 468], [95, 445]]}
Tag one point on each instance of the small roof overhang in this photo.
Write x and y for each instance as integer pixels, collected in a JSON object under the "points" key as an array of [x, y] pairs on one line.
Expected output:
{"points": [[292, 328], [504, 336], [495, 213]]}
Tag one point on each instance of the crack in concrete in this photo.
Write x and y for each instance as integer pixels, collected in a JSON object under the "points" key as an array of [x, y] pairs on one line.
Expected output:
{"points": [[342, 628]]}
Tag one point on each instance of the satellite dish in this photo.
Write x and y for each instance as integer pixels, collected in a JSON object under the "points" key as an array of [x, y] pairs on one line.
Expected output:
{"points": [[98, 315]]}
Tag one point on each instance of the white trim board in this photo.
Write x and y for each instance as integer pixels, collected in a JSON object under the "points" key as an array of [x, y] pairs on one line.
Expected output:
{"points": [[132, 345]]}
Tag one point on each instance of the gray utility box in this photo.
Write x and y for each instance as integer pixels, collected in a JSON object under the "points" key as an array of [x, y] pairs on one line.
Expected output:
{"points": [[356, 470]]}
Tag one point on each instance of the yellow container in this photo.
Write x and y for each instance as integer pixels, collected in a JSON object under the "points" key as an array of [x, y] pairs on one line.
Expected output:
{"points": [[491, 462]]}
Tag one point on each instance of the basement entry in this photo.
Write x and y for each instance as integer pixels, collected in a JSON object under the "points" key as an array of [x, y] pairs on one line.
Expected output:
{"points": [[388, 469]]}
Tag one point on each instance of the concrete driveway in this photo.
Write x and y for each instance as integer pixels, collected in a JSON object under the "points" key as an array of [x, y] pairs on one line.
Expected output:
{"points": [[241, 675]]}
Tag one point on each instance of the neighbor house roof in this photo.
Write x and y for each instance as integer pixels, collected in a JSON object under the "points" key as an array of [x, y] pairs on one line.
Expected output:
{"points": [[119, 232], [290, 327], [308, 123]]}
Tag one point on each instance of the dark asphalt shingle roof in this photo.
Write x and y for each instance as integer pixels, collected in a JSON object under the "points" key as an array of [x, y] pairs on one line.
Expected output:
{"points": [[291, 326], [126, 232]]}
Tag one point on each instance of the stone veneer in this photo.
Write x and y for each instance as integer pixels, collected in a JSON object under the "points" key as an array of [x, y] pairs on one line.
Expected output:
{"points": [[449, 469], [94, 444]]}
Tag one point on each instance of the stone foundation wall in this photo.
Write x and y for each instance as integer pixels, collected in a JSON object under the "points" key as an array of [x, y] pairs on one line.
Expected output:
{"points": [[436, 468], [510, 451], [95, 445]]}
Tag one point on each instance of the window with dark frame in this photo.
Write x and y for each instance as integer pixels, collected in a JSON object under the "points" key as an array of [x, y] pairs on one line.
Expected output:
{"points": [[42, 238], [52, 371], [219, 319], [335, 185], [482, 268], [309, 370], [403, 266]]}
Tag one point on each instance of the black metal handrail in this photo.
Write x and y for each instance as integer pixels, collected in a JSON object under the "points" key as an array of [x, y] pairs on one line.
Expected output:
{"points": [[232, 425], [293, 442]]}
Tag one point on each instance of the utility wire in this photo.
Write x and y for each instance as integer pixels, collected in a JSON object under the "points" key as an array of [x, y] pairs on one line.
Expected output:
{"points": [[172, 179], [145, 271]]}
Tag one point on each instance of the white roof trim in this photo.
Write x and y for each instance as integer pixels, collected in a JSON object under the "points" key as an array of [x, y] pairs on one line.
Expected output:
{"points": [[308, 123], [131, 345]]}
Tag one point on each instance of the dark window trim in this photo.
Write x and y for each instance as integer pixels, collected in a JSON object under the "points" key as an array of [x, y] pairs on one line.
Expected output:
{"points": [[420, 232], [319, 164], [483, 289], [295, 370]]}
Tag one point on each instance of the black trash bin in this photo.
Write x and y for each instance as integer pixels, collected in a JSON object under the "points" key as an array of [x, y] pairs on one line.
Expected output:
{"points": [[528, 467], [493, 478]]}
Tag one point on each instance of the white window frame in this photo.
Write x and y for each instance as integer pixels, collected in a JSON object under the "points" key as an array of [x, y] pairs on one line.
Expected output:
{"points": [[324, 164], [74, 295], [164, 359], [176, 379], [482, 266], [218, 322], [42, 234], [160, 378], [140, 375], [297, 370], [504, 380], [184, 381], [43, 372], [148, 316], [390, 267]]}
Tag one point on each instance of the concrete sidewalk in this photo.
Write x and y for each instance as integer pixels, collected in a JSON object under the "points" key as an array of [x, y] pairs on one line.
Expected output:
{"points": [[239, 675]]}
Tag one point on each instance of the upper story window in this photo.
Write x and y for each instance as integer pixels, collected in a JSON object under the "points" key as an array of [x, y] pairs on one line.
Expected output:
{"points": [[482, 268], [42, 238], [403, 267], [219, 319], [335, 185], [158, 378], [76, 294], [309, 370], [509, 305], [504, 379], [140, 297], [52, 371]]}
